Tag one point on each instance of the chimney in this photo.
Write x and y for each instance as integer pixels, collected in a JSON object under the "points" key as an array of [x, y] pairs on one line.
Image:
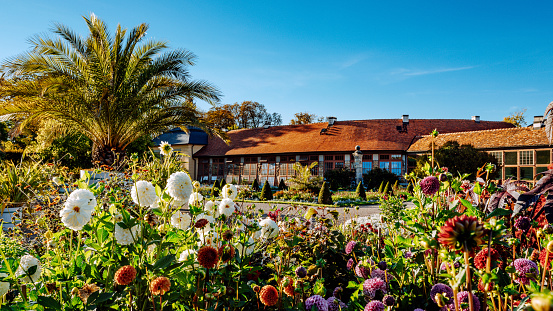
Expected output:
{"points": [[476, 119], [331, 120], [405, 119], [538, 122]]}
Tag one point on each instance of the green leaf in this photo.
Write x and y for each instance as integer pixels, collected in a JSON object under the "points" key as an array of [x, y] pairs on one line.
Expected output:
{"points": [[471, 211], [49, 303], [477, 188], [164, 262], [499, 212]]}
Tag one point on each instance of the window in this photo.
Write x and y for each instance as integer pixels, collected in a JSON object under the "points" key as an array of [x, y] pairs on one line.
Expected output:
{"points": [[526, 157], [543, 157], [511, 172], [367, 157], [511, 158], [264, 168], [499, 156], [329, 166], [314, 158], [526, 173], [339, 164], [396, 168], [396, 156], [329, 158], [384, 157], [271, 168], [367, 167], [385, 165], [339, 158]]}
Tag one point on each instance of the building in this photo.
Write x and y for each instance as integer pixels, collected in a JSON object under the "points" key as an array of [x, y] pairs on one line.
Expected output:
{"points": [[268, 153], [521, 152], [185, 143]]}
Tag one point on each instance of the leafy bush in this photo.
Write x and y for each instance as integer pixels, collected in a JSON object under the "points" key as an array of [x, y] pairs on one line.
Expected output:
{"points": [[375, 177], [324, 195], [266, 192], [294, 195], [339, 178], [303, 179], [360, 191], [72, 150]]}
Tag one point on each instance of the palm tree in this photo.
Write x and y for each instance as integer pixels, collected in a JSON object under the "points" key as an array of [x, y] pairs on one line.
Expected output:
{"points": [[113, 89]]}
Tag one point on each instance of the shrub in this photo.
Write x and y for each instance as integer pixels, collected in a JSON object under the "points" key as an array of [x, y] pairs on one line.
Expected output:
{"points": [[339, 178], [266, 192], [215, 189], [324, 195], [282, 185], [255, 185], [294, 195], [304, 180], [360, 191], [222, 183], [378, 176]]}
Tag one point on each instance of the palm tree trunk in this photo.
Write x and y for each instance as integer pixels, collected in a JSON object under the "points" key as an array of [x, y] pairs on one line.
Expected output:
{"points": [[107, 155]]}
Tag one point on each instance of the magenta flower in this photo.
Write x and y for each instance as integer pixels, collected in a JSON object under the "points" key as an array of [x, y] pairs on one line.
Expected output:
{"points": [[430, 185]]}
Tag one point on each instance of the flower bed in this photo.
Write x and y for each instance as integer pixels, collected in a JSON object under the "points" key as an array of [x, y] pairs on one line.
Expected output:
{"points": [[148, 247]]}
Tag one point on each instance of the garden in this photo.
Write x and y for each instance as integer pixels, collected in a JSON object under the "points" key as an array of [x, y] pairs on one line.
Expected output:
{"points": [[145, 238]]}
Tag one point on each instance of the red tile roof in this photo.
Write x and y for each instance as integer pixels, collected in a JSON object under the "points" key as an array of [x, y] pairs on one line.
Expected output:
{"points": [[488, 139], [379, 134]]}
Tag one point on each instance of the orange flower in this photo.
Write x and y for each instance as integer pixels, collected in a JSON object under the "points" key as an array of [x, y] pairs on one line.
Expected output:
{"points": [[460, 230], [288, 288], [160, 286], [208, 257], [125, 275], [268, 295]]}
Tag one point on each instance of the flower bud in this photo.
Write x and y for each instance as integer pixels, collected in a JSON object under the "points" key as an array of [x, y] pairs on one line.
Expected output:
{"points": [[541, 303], [440, 301], [539, 233], [74, 291], [256, 288], [550, 246]]}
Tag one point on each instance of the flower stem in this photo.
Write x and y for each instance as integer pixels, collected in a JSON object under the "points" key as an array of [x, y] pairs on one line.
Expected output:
{"points": [[468, 283], [544, 268]]}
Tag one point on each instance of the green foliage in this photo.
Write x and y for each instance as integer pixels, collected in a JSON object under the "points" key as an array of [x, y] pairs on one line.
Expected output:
{"points": [[377, 176], [294, 195], [140, 146], [3, 131], [303, 179], [339, 178], [72, 150], [360, 191], [266, 192], [18, 183], [282, 185], [11, 247], [215, 189], [222, 183], [157, 169], [255, 185], [325, 197]]}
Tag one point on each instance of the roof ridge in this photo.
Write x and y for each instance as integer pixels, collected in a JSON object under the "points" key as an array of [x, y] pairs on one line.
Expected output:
{"points": [[488, 130]]}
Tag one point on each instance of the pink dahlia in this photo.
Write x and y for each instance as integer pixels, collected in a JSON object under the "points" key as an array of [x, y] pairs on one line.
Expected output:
{"points": [[430, 185], [375, 305]]}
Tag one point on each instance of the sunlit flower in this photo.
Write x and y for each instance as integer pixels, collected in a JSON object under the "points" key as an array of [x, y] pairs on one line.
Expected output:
{"points": [[350, 246], [335, 304], [143, 193], [430, 185], [301, 272], [269, 228], [26, 263], [382, 274], [319, 302], [310, 212], [186, 255], [460, 230], [206, 226], [226, 207], [463, 297], [181, 220], [211, 208], [361, 271], [160, 286], [127, 236], [196, 199], [87, 290], [208, 238], [179, 186], [526, 270], [445, 292], [165, 148], [229, 191], [372, 285], [268, 295], [78, 208], [4, 286], [208, 257], [288, 284], [245, 248], [196, 185], [375, 305], [125, 275]]}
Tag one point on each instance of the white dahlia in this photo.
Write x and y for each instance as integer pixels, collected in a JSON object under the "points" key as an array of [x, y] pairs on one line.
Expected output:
{"points": [[78, 208], [165, 148], [196, 199], [209, 238], [179, 186], [4, 286], [143, 193], [209, 219], [25, 264], [226, 207], [189, 253], [269, 228], [181, 220], [245, 248], [229, 191], [196, 184], [127, 236], [211, 208]]}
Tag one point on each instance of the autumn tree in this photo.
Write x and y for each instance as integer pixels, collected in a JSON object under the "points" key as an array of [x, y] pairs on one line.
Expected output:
{"points": [[248, 114], [304, 118], [221, 117], [517, 118]]}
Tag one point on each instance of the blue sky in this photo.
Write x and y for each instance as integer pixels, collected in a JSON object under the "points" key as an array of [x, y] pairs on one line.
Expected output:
{"points": [[350, 59]]}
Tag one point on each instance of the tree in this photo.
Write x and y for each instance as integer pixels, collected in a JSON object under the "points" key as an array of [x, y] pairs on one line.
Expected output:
{"points": [[339, 178], [463, 159], [111, 88], [255, 185], [248, 114], [517, 118], [221, 117], [304, 118], [303, 179], [266, 192], [377, 176], [325, 197], [282, 185], [360, 191]]}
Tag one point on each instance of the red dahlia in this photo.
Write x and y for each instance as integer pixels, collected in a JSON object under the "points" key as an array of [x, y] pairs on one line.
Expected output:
{"points": [[208, 257]]}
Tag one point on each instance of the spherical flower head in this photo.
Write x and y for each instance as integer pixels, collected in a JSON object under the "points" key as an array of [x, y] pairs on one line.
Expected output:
{"points": [[246, 248], [229, 191], [181, 220], [523, 223], [407, 254], [444, 290], [226, 252], [26, 264], [350, 263], [211, 208], [196, 185], [430, 185], [337, 291], [301, 272], [482, 256], [196, 199], [179, 186], [463, 297], [143, 193], [419, 309], [165, 148], [318, 301], [269, 228], [160, 286], [526, 270], [78, 208], [461, 230], [374, 284], [289, 289], [268, 295], [127, 236], [382, 265], [361, 271], [125, 275], [335, 304], [375, 305], [226, 207], [382, 274], [208, 257], [389, 300], [350, 246]]}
